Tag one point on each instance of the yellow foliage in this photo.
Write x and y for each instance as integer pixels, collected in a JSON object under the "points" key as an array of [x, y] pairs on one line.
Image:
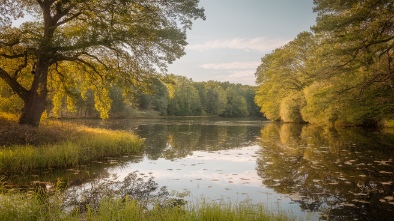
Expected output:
{"points": [[290, 108], [102, 102]]}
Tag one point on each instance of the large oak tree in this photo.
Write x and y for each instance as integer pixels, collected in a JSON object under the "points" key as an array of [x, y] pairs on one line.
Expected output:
{"points": [[97, 42]]}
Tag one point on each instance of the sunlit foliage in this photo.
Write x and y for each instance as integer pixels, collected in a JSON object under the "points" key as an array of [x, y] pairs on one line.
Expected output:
{"points": [[342, 72], [70, 47]]}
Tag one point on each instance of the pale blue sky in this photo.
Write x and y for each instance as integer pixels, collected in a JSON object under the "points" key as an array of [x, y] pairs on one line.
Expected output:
{"points": [[230, 43]]}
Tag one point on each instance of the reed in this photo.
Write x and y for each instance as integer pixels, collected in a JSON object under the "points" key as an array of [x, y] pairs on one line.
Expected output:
{"points": [[59, 145]]}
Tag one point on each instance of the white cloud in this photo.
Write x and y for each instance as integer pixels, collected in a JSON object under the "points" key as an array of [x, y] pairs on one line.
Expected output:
{"points": [[231, 65], [239, 72], [260, 44], [240, 76]]}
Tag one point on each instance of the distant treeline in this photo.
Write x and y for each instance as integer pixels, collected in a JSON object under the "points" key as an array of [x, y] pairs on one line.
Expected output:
{"points": [[169, 96]]}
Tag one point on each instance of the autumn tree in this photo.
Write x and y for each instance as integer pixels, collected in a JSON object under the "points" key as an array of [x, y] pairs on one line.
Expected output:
{"points": [[88, 45]]}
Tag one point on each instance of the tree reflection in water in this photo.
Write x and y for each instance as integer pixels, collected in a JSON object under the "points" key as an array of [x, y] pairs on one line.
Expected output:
{"points": [[345, 174]]}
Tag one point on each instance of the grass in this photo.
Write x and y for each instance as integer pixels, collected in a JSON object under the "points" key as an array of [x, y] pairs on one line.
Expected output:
{"points": [[59, 145], [19, 206], [117, 210]]}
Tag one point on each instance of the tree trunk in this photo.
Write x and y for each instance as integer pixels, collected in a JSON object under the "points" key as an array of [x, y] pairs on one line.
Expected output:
{"points": [[33, 109], [35, 99]]}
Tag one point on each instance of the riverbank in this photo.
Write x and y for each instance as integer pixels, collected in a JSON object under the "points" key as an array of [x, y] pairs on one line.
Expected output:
{"points": [[22, 206], [59, 145]]}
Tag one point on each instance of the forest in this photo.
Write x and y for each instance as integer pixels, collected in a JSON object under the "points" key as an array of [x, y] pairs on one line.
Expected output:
{"points": [[340, 73], [180, 96], [75, 60]]}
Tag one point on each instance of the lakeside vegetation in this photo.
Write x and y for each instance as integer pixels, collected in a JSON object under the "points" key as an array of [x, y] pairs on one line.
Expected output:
{"points": [[131, 199], [23, 207], [59, 145], [340, 73]]}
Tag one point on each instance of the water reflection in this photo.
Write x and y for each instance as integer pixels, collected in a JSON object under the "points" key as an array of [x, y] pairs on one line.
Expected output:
{"points": [[345, 174], [335, 174], [179, 141]]}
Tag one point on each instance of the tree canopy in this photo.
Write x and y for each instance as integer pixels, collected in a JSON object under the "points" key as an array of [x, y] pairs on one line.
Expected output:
{"points": [[72, 46], [340, 73]]}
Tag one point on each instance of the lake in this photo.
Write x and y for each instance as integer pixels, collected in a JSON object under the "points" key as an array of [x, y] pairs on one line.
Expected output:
{"points": [[313, 173]]}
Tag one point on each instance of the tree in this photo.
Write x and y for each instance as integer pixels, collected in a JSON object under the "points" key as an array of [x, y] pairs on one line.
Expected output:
{"points": [[358, 39], [186, 100], [282, 75], [155, 99], [99, 43], [236, 104], [216, 99]]}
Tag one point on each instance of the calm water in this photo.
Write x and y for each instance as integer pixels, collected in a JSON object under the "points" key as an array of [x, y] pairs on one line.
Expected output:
{"points": [[314, 173]]}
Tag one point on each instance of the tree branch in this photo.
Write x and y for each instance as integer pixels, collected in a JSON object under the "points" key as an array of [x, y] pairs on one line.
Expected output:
{"points": [[15, 86], [68, 19], [20, 66], [12, 56], [78, 60]]}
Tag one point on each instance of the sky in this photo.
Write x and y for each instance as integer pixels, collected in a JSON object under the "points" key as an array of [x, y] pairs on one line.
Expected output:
{"points": [[229, 44]]}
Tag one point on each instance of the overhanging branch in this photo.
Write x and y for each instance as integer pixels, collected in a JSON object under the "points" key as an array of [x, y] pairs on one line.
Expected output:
{"points": [[81, 61], [15, 86]]}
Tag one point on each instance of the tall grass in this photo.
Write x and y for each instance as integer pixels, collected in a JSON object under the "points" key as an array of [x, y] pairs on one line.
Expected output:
{"points": [[56, 145], [22, 207], [31, 206]]}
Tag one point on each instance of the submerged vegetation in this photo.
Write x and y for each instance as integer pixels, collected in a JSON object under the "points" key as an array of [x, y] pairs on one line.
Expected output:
{"points": [[59, 145]]}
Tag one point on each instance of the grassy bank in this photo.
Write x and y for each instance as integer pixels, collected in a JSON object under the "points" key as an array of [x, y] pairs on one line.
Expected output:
{"points": [[23, 207], [59, 145]]}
